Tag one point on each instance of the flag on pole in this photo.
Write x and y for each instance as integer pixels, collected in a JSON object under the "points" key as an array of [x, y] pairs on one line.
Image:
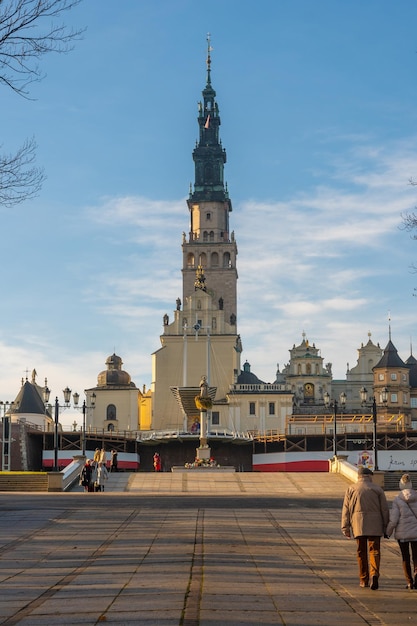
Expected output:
{"points": [[207, 124]]}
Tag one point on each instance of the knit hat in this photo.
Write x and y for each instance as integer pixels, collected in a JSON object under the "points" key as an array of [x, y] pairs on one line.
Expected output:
{"points": [[365, 471], [405, 482]]}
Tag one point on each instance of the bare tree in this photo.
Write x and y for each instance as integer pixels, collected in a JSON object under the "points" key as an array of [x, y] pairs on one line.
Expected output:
{"points": [[410, 224], [28, 31], [19, 178], [410, 219]]}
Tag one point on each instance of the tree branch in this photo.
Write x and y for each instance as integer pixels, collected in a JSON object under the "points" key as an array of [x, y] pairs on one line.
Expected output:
{"points": [[27, 32], [19, 179]]}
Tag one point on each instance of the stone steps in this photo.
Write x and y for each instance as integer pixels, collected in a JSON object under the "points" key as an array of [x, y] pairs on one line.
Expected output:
{"points": [[391, 480], [16, 481]]}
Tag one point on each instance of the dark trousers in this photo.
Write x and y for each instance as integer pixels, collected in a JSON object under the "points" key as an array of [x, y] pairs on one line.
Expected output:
{"points": [[369, 557], [409, 572]]}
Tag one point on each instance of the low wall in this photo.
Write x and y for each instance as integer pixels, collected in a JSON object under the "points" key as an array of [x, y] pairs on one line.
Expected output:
{"points": [[199, 470], [340, 465], [61, 481]]}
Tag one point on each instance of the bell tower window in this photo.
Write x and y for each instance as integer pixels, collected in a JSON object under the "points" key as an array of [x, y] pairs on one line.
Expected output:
{"points": [[203, 259], [214, 260]]}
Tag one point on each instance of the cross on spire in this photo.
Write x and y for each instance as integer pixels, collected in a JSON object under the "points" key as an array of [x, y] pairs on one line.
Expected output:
{"points": [[209, 49]]}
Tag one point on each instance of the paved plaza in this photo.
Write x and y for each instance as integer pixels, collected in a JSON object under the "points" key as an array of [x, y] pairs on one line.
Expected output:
{"points": [[192, 549]]}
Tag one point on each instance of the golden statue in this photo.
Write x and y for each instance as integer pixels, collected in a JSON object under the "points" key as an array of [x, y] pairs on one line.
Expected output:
{"points": [[200, 279], [203, 402]]}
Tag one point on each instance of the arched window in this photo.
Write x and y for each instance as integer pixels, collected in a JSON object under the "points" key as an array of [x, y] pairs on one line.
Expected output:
{"points": [[214, 259], [211, 235], [203, 259], [205, 236], [111, 412], [226, 259], [110, 428], [190, 260]]}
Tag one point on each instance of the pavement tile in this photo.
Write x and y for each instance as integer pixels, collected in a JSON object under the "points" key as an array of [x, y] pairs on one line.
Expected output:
{"points": [[143, 618], [238, 602], [213, 617], [324, 618]]}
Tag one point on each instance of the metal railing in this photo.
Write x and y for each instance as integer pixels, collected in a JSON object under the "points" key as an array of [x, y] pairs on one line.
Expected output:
{"points": [[220, 433]]}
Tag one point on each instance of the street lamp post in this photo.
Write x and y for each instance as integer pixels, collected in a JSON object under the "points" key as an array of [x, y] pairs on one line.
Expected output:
{"points": [[84, 408], [67, 398], [6, 437], [334, 404], [67, 405], [374, 441], [364, 397], [335, 429]]}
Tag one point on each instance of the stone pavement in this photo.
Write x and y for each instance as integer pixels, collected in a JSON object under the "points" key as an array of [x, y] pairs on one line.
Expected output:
{"points": [[194, 549]]}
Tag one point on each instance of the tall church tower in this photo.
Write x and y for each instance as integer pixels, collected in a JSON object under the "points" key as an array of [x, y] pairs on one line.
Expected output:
{"points": [[202, 339], [210, 244]]}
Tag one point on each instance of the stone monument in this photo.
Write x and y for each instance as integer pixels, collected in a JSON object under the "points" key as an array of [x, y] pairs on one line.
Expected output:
{"points": [[203, 403]]}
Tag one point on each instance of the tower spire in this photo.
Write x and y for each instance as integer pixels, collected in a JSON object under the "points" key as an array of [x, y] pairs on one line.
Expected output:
{"points": [[209, 156], [209, 49]]}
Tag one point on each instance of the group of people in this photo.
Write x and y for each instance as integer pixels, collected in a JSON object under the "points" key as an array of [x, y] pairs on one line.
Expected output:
{"points": [[94, 473], [367, 518]]}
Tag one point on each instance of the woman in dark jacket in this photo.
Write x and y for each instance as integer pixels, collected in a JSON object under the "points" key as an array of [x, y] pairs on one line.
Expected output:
{"points": [[86, 476], [403, 521]]}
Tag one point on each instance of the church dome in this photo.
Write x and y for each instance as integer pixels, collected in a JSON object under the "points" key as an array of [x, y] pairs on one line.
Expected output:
{"points": [[247, 377], [114, 375]]}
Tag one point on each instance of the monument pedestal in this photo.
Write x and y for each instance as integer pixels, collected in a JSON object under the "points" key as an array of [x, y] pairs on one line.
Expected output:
{"points": [[203, 453]]}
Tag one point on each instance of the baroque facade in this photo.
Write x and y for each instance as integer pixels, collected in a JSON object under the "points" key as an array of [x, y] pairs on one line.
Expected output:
{"points": [[307, 375], [116, 399]]}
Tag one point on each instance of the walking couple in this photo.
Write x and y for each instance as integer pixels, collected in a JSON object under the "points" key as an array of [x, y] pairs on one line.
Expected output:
{"points": [[366, 517]]}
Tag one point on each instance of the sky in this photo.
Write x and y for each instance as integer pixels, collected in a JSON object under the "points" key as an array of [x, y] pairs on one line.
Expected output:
{"points": [[318, 104]]}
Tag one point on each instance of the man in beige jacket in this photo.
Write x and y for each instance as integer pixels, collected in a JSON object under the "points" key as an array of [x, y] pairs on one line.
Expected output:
{"points": [[365, 516]]}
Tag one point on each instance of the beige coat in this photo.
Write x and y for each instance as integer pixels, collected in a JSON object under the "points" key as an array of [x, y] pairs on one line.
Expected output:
{"points": [[365, 510]]}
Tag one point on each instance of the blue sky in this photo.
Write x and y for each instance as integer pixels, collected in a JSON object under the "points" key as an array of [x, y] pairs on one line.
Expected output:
{"points": [[319, 121]]}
